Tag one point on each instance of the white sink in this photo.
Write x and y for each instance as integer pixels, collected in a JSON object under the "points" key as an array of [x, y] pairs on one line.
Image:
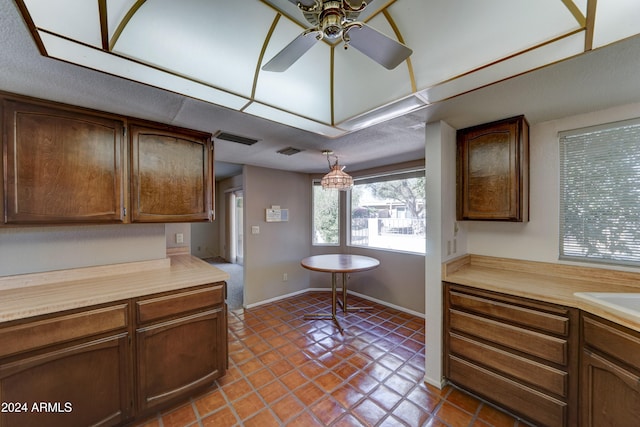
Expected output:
{"points": [[626, 302]]}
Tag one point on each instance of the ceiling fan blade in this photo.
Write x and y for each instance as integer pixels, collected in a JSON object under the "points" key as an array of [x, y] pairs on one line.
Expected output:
{"points": [[377, 46], [293, 51]]}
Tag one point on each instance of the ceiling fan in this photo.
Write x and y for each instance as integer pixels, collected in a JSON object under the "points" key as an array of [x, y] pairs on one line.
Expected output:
{"points": [[338, 19]]}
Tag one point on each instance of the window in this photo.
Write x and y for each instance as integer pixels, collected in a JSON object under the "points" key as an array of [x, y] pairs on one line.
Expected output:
{"points": [[326, 216], [388, 212], [600, 193]]}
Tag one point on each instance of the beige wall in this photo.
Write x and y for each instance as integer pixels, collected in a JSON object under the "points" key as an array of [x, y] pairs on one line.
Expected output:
{"points": [[172, 229], [37, 249], [279, 246]]}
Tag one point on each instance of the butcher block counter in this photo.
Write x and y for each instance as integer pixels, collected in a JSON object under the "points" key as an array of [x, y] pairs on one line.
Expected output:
{"points": [[109, 345], [548, 282], [35, 294]]}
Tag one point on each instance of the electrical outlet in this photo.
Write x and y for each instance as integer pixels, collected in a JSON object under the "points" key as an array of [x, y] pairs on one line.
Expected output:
{"points": [[179, 238], [285, 277]]}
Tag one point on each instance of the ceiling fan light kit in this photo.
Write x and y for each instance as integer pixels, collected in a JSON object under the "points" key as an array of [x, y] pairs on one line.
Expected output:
{"points": [[337, 19]]}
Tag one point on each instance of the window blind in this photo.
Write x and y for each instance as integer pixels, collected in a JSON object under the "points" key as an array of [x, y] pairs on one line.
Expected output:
{"points": [[600, 193]]}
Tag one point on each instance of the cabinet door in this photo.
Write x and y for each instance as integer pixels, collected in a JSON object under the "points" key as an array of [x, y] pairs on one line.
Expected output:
{"points": [[178, 356], [80, 385], [171, 177], [493, 171], [62, 165], [610, 393]]}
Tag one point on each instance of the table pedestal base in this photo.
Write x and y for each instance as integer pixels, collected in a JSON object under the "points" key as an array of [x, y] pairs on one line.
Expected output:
{"points": [[334, 298], [343, 304]]}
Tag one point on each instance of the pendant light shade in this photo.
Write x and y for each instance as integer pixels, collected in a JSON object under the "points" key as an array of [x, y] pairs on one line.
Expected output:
{"points": [[336, 179]]}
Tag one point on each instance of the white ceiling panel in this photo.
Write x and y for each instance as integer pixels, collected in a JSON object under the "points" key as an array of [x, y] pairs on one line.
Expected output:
{"points": [[116, 12], [456, 36], [360, 83], [75, 19], [193, 38], [58, 47], [530, 60], [303, 89], [615, 20]]}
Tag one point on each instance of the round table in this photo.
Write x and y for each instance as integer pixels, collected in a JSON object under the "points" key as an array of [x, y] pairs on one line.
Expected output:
{"points": [[334, 264]]}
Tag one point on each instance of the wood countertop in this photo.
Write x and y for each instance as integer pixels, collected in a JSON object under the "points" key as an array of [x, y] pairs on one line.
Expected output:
{"points": [[35, 294], [554, 283]]}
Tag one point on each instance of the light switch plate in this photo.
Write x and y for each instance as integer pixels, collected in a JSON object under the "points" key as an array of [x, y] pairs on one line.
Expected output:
{"points": [[255, 229]]}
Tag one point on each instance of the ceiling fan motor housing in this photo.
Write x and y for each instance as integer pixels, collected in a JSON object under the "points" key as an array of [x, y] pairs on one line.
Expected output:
{"points": [[331, 16]]}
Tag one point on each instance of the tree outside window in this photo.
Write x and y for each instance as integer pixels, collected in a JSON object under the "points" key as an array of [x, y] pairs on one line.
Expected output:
{"points": [[326, 216], [388, 212]]}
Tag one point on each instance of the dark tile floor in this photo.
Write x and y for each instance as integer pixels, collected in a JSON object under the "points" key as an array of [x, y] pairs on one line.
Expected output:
{"points": [[287, 371]]}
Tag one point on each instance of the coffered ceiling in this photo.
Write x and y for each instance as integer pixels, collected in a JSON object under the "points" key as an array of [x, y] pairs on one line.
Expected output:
{"points": [[213, 50], [197, 64]]}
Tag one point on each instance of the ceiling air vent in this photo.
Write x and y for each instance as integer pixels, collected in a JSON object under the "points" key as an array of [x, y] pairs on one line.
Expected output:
{"points": [[289, 151], [235, 138]]}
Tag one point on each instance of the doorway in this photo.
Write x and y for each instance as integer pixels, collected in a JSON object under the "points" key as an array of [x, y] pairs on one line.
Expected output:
{"points": [[232, 258], [238, 227]]}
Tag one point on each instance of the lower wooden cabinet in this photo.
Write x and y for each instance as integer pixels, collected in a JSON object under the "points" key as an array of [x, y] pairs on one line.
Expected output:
{"points": [[610, 383], [85, 384], [108, 365], [519, 353]]}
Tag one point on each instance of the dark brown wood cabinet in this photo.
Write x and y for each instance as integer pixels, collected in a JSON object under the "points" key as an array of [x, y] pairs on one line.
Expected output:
{"points": [[176, 355], [519, 353], [63, 165], [610, 369], [493, 171], [112, 364], [171, 174], [67, 164], [67, 370]]}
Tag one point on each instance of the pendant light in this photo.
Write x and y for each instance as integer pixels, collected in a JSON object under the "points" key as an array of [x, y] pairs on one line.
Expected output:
{"points": [[336, 179]]}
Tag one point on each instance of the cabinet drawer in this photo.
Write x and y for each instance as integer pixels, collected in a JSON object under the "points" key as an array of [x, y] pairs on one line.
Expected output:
{"points": [[536, 406], [545, 377], [34, 335], [540, 320], [180, 303], [612, 340], [529, 342]]}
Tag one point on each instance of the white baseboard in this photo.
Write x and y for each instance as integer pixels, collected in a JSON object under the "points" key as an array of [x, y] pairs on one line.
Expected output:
{"points": [[292, 294], [303, 291], [387, 304]]}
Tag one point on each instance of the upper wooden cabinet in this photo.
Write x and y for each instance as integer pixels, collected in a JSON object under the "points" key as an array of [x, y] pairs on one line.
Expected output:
{"points": [[493, 171], [170, 174], [63, 165]]}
